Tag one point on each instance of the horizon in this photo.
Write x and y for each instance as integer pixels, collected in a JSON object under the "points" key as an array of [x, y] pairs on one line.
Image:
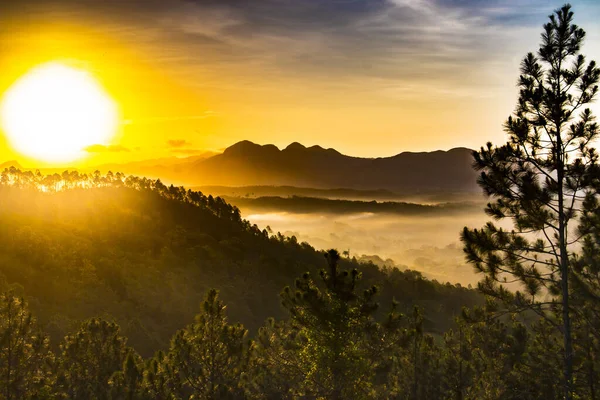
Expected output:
{"points": [[27, 164]]}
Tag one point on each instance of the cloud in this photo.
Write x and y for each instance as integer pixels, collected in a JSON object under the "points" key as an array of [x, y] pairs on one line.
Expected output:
{"points": [[177, 143], [328, 43], [100, 148]]}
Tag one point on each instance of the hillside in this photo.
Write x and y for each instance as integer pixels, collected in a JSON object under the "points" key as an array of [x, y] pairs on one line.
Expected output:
{"points": [[144, 254], [300, 204]]}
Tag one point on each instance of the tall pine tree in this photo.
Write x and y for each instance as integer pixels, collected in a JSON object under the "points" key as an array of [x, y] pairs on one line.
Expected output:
{"points": [[538, 180]]}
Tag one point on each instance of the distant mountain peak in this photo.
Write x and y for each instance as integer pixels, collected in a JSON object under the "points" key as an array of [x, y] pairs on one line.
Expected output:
{"points": [[460, 149], [299, 147], [317, 148], [242, 147], [246, 148], [296, 146]]}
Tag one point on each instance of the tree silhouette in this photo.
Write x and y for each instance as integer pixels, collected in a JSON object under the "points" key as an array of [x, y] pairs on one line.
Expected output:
{"points": [[90, 358], [210, 356], [336, 326], [538, 180], [25, 357]]}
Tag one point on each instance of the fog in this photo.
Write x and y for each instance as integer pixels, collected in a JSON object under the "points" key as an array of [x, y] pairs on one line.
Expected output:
{"points": [[429, 244]]}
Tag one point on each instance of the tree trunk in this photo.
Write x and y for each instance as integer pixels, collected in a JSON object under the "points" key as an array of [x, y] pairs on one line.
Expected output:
{"points": [[564, 272]]}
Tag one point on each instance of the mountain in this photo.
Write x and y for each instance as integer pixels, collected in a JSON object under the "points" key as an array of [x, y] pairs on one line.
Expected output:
{"points": [[249, 164], [246, 163], [144, 254]]}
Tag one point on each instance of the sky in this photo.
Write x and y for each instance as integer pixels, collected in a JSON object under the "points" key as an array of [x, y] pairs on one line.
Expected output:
{"points": [[371, 78]]}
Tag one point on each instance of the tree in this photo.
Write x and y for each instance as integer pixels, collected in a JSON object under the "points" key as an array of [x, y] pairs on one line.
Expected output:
{"points": [[159, 379], [209, 357], [127, 384], [415, 369], [586, 280], [91, 357], [538, 180], [25, 356], [277, 370], [334, 323]]}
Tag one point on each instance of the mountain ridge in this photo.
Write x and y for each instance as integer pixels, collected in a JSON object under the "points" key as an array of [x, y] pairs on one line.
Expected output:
{"points": [[248, 163], [246, 145]]}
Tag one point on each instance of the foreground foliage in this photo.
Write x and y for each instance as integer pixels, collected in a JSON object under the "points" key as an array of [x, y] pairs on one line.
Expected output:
{"points": [[329, 347]]}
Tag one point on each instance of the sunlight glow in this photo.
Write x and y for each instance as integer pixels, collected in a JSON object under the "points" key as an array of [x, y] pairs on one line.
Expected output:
{"points": [[54, 112]]}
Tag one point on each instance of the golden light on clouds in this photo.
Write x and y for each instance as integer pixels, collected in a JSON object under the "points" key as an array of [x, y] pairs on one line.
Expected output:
{"points": [[367, 78], [55, 111]]}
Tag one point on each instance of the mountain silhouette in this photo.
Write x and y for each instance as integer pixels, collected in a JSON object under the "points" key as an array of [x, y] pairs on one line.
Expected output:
{"points": [[247, 163]]}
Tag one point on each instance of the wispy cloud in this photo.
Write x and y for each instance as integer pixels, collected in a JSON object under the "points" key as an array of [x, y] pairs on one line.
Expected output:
{"points": [[319, 42]]}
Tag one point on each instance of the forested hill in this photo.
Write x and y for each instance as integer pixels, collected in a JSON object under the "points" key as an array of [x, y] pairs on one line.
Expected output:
{"points": [[144, 254]]}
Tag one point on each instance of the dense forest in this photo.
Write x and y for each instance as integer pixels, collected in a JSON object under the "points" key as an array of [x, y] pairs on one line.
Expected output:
{"points": [[329, 347], [100, 274], [144, 254]]}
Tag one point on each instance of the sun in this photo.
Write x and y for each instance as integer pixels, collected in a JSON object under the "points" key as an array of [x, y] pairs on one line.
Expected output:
{"points": [[55, 111]]}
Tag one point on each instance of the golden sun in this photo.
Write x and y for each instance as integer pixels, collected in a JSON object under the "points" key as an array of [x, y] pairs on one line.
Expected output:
{"points": [[55, 111]]}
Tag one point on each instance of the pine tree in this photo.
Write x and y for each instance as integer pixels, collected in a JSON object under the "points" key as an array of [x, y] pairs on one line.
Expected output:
{"points": [[277, 371], [586, 282], [334, 322], [538, 179], [25, 356], [127, 383], [415, 372], [90, 359], [541, 372], [456, 358], [209, 358], [159, 380]]}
